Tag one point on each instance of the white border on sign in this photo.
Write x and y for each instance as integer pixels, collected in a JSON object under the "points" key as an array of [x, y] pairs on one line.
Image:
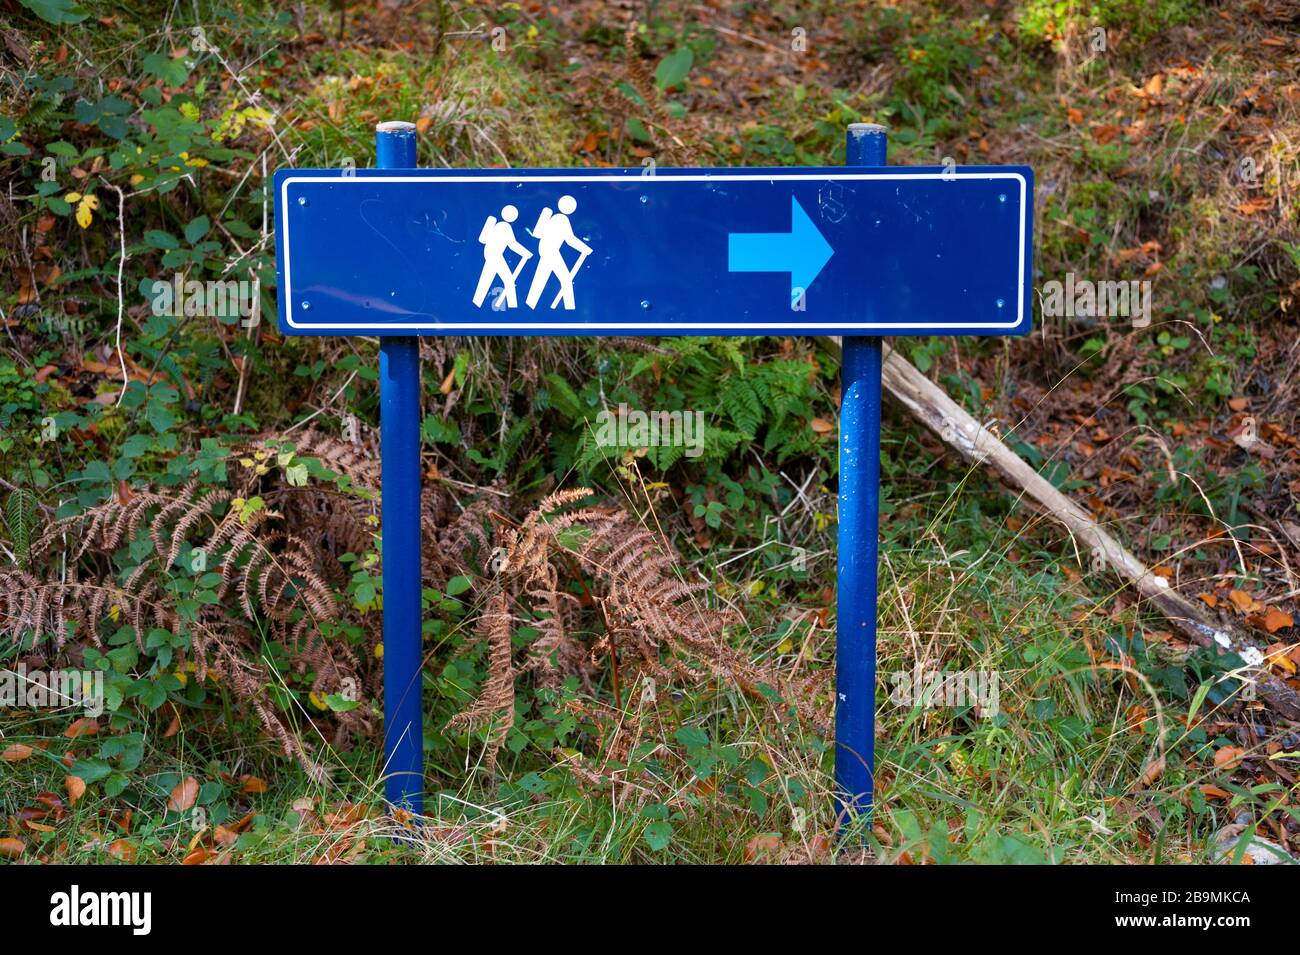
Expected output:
{"points": [[651, 326]]}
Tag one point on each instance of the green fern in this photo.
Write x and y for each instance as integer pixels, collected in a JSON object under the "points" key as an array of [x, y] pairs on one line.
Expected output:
{"points": [[20, 517]]}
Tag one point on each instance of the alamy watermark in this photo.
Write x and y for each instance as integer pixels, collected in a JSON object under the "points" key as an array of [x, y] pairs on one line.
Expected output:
{"points": [[52, 689], [73, 908], [630, 428], [1087, 299], [213, 298], [932, 689]]}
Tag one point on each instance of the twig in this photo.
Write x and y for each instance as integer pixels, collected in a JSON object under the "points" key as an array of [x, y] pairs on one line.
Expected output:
{"points": [[936, 410], [121, 304]]}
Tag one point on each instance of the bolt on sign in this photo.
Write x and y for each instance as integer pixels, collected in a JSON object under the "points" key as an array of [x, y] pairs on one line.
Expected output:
{"points": [[863, 250]]}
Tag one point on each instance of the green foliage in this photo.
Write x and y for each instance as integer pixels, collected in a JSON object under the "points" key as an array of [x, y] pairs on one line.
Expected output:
{"points": [[1044, 19], [672, 69], [56, 11], [20, 520]]}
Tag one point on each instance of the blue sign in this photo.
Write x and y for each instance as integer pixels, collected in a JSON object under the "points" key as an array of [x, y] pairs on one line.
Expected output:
{"points": [[862, 251], [837, 251]]}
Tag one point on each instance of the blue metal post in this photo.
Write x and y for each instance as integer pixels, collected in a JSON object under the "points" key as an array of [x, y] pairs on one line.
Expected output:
{"points": [[399, 427], [855, 638]]}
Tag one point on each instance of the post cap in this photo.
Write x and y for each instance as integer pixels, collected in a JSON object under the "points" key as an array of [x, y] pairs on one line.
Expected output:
{"points": [[395, 126], [861, 128]]}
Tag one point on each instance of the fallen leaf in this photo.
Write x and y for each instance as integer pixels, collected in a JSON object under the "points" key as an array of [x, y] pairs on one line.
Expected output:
{"points": [[821, 426], [16, 752], [1105, 133], [1244, 602], [123, 850], [184, 795], [86, 726], [253, 786], [762, 848], [1155, 769], [345, 816], [1275, 620], [76, 787], [1262, 204], [11, 848], [1228, 757]]}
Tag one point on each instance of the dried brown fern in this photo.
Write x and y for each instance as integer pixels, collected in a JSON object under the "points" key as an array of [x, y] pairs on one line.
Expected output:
{"points": [[655, 624], [677, 138], [495, 706], [276, 564]]}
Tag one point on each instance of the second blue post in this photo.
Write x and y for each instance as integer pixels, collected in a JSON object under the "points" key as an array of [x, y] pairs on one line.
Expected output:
{"points": [[399, 434], [859, 504]]}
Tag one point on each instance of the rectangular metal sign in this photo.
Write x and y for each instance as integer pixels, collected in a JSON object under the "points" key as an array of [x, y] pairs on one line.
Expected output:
{"points": [[829, 251]]}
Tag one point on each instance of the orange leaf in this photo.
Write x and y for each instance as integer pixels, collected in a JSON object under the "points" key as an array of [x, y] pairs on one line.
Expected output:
{"points": [[198, 856], [16, 753], [253, 786], [345, 816], [122, 849], [821, 426], [1154, 771], [1213, 792], [1244, 602], [11, 848], [1262, 204], [1229, 757], [762, 846], [1275, 620], [86, 726], [1105, 133], [76, 787], [184, 795]]}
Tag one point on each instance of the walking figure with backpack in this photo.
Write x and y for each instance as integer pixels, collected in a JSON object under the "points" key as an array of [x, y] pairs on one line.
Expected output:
{"points": [[496, 237], [553, 232]]}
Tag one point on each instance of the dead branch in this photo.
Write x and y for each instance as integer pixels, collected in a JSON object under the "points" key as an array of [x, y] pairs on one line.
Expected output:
{"points": [[928, 403]]}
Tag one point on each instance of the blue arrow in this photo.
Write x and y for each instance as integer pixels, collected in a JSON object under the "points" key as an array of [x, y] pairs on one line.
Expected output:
{"points": [[802, 251]]}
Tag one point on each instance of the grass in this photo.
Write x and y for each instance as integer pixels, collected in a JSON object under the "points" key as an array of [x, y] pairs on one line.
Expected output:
{"points": [[1054, 775]]}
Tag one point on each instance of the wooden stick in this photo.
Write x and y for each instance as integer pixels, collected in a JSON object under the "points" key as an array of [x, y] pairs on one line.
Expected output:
{"points": [[928, 403]]}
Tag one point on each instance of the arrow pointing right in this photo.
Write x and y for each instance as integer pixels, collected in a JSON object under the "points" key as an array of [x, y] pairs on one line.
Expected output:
{"points": [[802, 251]]}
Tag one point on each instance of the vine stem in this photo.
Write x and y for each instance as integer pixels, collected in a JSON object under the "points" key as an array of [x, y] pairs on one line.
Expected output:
{"points": [[121, 266]]}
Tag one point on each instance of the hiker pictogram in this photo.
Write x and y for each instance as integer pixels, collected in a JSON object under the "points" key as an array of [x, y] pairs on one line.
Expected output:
{"points": [[497, 236], [553, 232]]}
